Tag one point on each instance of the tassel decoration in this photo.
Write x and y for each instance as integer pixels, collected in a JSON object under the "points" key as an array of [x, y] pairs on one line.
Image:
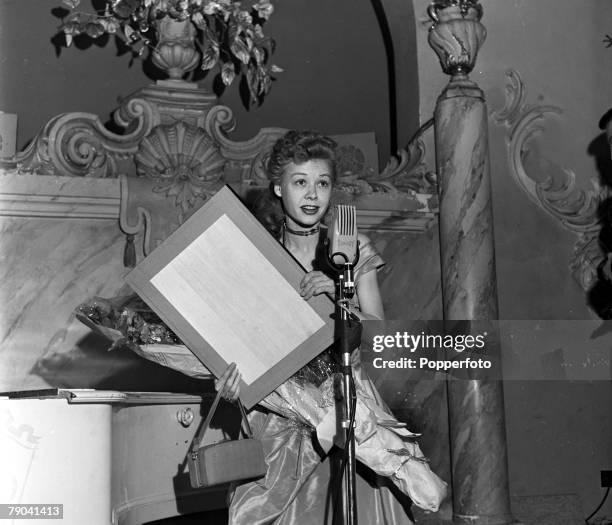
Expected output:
{"points": [[129, 253]]}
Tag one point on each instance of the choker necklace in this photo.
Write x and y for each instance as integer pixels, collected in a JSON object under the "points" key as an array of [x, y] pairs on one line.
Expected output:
{"points": [[302, 233]]}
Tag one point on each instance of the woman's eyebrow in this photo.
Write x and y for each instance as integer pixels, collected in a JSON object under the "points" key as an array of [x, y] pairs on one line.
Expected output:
{"points": [[302, 174]]}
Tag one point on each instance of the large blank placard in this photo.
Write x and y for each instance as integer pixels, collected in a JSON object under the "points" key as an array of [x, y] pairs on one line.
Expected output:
{"points": [[229, 290]]}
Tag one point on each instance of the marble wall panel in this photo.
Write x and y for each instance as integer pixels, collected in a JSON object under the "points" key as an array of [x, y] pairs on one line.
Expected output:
{"points": [[48, 267]]}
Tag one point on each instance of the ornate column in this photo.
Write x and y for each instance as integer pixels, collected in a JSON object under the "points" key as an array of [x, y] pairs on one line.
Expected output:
{"points": [[476, 407]]}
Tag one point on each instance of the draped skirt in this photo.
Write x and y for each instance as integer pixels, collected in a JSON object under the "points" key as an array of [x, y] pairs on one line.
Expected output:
{"points": [[302, 486]]}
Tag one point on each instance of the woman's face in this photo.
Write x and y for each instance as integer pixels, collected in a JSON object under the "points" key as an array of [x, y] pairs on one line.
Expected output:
{"points": [[305, 190]]}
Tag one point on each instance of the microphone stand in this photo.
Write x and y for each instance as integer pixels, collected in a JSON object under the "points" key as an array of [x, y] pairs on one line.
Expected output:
{"points": [[346, 290]]}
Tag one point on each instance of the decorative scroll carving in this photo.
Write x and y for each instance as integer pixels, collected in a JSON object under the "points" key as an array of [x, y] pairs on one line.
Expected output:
{"points": [[78, 145], [404, 174], [246, 159], [176, 152], [575, 208], [406, 177], [404, 194], [409, 172]]}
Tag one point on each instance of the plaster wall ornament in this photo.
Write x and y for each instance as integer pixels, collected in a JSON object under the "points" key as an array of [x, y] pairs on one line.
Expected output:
{"points": [[175, 151], [403, 197], [183, 161], [79, 145], [576, 209], [456, 34], [408, 171], [405, 174], [246, 160]]}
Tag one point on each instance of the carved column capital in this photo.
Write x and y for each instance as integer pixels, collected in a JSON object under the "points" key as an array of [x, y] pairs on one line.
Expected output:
{"points": [[456, 34]]}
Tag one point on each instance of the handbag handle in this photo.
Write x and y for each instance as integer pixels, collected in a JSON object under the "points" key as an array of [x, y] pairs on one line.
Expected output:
{"points": [[213, 408]]}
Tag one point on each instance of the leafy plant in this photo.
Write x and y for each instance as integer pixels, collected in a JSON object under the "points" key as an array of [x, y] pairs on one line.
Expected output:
{"points": [[228, 36]]}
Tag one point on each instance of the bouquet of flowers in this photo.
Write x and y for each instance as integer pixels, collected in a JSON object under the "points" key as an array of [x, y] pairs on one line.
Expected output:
{"points": [[128, 317], [128, 323]]}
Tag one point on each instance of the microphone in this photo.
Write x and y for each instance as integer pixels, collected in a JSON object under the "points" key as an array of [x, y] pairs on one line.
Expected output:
{"points": [[343, 247], [343, 254], [342, 236]]}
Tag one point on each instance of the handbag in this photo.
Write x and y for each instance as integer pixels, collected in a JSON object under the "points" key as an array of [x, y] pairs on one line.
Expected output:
{"points": [[232, 460]]}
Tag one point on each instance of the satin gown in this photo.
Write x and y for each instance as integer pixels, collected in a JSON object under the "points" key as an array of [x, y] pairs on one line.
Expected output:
{"points": [[299, 485], [297, 425]]}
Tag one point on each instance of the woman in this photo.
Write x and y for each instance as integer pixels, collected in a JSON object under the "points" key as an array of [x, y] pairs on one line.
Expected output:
{"points": [[299, 487]]}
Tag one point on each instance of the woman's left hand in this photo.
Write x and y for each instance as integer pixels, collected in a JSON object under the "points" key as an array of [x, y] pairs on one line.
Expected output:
{"points": [[316, 283]]}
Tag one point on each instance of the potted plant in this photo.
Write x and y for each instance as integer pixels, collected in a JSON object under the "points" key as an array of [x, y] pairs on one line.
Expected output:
{"points": [[184, 34]]}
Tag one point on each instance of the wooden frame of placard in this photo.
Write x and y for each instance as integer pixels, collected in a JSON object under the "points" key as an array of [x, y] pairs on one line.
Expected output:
{"points": [[230, 291]]}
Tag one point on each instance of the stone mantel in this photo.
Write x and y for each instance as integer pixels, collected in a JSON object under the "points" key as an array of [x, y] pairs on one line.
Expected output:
{"points": [[50, 196], [29, 195]]}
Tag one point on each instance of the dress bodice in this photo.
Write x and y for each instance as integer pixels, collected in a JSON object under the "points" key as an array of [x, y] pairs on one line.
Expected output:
{"points": [[322, 366]]}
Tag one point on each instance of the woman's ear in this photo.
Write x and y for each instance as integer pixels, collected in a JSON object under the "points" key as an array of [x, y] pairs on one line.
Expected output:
{"points": [[277, 190]]}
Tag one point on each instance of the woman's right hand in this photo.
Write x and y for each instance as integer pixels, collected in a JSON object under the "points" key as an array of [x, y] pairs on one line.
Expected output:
{"points": [[229, 383]]}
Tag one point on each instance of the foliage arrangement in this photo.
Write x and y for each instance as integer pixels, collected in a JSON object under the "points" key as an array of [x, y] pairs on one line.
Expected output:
{"points": [[228, 35]]}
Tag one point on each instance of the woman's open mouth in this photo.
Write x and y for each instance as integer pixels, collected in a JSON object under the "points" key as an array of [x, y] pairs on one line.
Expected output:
{"points": [[310, 210]]}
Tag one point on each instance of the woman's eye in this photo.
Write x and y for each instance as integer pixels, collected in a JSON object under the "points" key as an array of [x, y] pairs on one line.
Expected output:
{"points": [[324, 184], [299, 182]]}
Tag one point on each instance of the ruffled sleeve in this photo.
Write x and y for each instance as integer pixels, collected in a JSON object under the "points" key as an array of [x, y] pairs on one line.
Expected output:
{"points": [[369, 258]]}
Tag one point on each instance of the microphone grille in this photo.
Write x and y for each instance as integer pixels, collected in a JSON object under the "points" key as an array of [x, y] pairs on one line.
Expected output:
{"points": [[347, 219]]}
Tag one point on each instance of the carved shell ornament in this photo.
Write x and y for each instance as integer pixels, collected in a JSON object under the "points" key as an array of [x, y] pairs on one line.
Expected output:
{"points": [[184, 160]]}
